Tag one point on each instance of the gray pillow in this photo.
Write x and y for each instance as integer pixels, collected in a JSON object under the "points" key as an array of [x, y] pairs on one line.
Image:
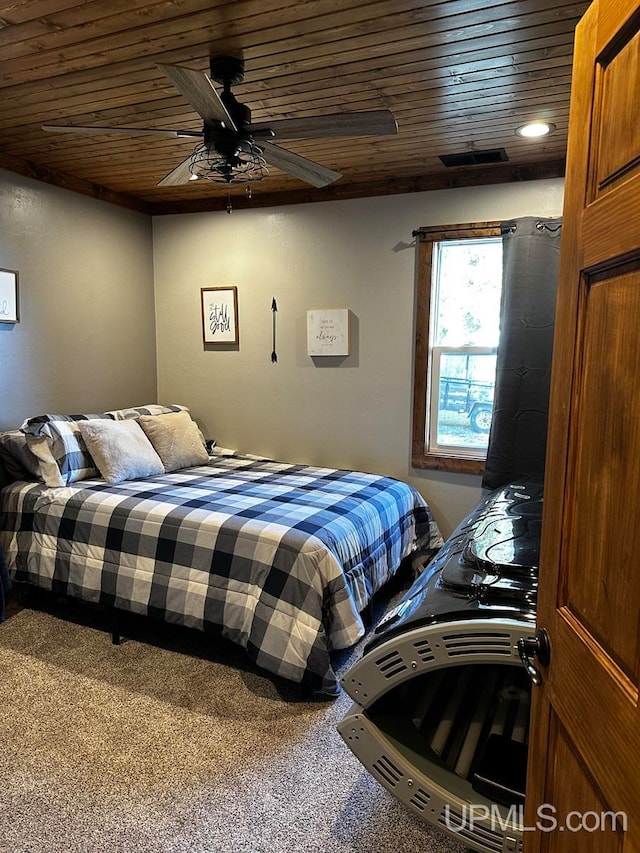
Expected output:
{"points": [[121, 450], [176, 439]]}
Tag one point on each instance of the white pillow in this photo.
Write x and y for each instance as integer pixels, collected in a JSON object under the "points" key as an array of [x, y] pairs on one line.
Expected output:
{"points": [[176, 439], [121, 450]]}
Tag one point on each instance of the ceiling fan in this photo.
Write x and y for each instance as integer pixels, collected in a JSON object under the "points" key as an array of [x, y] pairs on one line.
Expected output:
{"points": [[235, 150]]}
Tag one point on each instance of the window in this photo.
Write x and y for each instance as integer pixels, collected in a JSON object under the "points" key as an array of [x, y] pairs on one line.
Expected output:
{"points": [[457, 331]]}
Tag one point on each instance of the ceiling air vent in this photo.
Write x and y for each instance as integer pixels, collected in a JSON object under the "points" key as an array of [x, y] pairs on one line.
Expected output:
{"points": [[475, 158]]}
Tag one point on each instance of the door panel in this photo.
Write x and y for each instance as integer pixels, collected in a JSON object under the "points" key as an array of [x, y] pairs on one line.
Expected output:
{"points": [[617, 114], [577, 803], [597, 704], [599, 566], [601, 242], [585, 737]]}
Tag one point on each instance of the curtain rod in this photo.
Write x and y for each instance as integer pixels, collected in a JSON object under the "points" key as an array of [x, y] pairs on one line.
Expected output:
{"points": [[419, 231], [540, 225]]}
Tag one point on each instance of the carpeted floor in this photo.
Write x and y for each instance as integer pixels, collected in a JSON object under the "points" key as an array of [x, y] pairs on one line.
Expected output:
{"points": [[161, 746]]}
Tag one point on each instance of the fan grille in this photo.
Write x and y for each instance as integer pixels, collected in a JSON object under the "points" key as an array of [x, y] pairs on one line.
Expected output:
{"points": [[248, 165]]}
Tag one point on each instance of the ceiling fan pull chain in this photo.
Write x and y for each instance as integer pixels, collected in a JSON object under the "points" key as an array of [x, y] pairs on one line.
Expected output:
{"points": [[229, 205]]}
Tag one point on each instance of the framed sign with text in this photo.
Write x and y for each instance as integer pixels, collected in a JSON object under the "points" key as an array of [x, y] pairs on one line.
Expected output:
{"points": [[328, 331], [9, 296], [219, 315]]}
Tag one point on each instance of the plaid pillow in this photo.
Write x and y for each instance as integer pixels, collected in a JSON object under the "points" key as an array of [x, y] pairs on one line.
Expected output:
{"points": [[66, 443], [137, 411]]}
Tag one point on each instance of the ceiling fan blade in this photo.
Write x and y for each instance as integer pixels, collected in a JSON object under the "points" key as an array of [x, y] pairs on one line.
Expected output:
{"points": [[294, 164], [180, 175], [200, 92], [368, 123], [177, 134]]}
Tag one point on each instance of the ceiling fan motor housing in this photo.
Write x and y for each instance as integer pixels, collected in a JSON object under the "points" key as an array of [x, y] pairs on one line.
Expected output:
{"points": [[227, 70], [226, 142]]}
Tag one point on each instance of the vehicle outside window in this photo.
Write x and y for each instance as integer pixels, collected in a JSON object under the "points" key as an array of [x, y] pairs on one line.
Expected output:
{"points": [[461, 410]]}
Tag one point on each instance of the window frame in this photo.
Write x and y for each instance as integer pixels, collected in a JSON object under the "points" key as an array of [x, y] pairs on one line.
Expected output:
{"points": [[420, 455]]}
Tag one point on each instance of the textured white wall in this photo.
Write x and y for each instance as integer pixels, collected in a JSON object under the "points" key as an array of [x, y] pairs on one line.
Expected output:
{"points": [[353, 412], [86, 337]]}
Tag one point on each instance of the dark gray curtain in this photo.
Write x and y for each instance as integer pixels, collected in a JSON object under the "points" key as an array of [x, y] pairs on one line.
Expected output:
{"points": [[517, 441]]}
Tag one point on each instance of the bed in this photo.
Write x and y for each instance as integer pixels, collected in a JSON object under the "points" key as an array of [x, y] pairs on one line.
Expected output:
{"points": [[279, 558]]}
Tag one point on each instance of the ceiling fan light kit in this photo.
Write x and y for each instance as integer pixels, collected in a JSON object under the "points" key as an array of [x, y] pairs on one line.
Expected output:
{"points": [[246, 163], [231, 149]]}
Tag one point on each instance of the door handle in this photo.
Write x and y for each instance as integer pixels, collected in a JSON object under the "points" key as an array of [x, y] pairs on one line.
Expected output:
{"points": [[535, 647]]}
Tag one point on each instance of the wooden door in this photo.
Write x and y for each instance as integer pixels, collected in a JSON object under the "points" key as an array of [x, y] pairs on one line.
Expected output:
{"points": [[585, 748]]}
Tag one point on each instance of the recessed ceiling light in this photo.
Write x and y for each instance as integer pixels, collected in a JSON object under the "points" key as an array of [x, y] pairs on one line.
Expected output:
{"points": [[535, 129]]}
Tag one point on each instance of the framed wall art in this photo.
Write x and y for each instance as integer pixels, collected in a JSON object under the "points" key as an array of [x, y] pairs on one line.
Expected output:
{"points": [[328, 332], [9, 312], [219, 315]]}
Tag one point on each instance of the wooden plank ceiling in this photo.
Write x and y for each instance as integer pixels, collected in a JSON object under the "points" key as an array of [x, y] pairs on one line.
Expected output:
{"points": [[458, 76]]}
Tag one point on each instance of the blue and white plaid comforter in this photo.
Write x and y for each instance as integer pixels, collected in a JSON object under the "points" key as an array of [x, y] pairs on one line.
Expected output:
{"points": [[279, 558]]}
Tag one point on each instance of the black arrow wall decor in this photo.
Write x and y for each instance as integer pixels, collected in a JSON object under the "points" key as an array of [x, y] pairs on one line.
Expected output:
{"points": [[274, 311]]}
